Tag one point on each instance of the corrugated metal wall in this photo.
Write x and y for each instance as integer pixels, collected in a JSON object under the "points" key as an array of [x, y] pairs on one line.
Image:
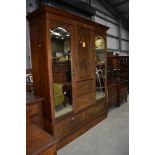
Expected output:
{"points": [[116, 32]]}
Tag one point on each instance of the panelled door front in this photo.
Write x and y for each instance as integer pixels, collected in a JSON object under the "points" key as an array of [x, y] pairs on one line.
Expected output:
{"points": [[84, 68]]}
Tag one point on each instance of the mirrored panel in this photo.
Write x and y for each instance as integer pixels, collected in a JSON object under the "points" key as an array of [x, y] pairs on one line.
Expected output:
{"points": [[100, 67], [61, 69]]}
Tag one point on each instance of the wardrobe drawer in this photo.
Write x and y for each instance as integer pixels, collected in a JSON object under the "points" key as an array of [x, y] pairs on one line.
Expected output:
{"points": [[85, 87], [63, 127], [95, 111], [69, 124], [85, 101]]}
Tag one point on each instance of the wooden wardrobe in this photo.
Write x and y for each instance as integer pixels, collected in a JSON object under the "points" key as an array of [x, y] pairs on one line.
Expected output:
{"points": [[69, 71], [117, 79]]}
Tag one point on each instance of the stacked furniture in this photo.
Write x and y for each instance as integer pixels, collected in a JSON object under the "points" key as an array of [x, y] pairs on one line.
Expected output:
{"points": [[117, 79], [38, 141], [123, 85], [55, 33]]}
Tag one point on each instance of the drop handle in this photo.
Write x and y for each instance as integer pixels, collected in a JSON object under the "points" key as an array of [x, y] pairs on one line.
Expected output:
{"points": [[39, 45], [73, 118]]}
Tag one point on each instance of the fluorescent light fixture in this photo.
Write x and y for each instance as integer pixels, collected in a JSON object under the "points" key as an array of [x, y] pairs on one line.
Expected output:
{"points": [[60, 28], [55, 33]]}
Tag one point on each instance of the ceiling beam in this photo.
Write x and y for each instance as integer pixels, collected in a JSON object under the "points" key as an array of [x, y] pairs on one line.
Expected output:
{"points": [[107, 5], [124, 13], [114, 12], [120, 3]]}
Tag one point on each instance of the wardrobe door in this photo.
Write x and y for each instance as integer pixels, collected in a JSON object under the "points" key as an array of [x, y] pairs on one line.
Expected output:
{"points": [[61, 57], [100, 48], [84, 68], [83, 54]]}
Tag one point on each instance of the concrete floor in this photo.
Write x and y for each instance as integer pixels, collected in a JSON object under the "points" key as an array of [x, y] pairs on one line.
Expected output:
{"points": [[109, 137]]}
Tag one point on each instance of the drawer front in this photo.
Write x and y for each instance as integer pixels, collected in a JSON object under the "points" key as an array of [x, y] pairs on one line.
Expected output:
{"points": [[85, 101], [96, 110], [74, 122], [69, 124], [85, 87], [33, 109]]}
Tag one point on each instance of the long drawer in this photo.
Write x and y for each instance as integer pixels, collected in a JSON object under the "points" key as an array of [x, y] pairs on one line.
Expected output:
{"points": [[68, 124], [84, 87], [95, 111], [75, 121]]}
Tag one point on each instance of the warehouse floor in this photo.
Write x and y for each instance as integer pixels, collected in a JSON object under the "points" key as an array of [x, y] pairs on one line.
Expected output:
{"points": [[109, 137]]}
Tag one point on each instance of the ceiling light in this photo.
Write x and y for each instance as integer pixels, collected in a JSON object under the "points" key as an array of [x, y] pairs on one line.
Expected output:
{"points": [[60, 28]]}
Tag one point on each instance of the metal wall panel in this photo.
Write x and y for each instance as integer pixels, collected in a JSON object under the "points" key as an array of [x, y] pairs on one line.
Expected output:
{"points": [[112, 43], [124, 34], [113, 29], [98, 5], [124, 45], [99, 20], [124, 53], [108, 18]]}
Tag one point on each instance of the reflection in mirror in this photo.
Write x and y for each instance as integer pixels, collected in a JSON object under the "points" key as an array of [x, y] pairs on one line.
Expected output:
{"points": [[100, 67], [61, 69]]}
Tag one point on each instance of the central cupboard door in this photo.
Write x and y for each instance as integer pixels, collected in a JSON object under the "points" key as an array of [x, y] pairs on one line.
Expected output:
{"points": [[84, 68]]}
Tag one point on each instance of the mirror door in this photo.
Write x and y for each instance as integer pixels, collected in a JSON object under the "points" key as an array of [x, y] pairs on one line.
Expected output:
{"points": [[100, 66], [61, 70]]}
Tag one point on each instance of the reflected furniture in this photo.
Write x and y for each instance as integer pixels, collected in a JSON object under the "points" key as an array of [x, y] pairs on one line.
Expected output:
{"points": [[29, 81], [63, 51], [58, 94]]}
